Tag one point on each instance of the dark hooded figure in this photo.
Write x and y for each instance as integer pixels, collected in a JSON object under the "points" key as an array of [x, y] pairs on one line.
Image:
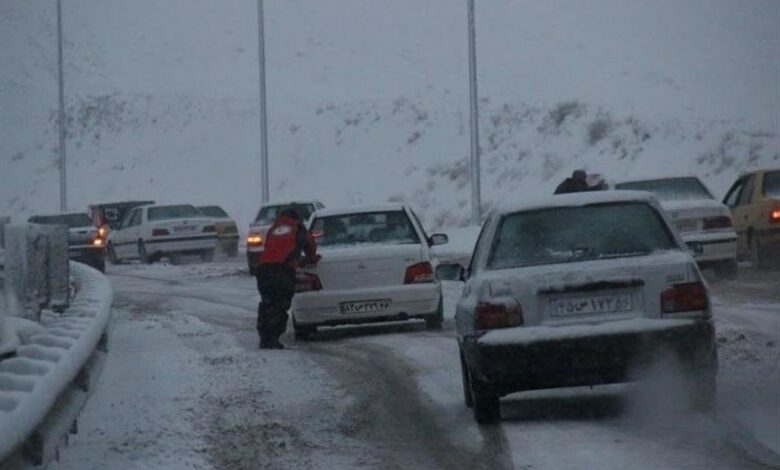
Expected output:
{"points": [[287, 243], [578, 182]]}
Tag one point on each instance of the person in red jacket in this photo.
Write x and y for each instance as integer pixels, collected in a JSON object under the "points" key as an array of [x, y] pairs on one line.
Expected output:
{"points": [[287, 244]]}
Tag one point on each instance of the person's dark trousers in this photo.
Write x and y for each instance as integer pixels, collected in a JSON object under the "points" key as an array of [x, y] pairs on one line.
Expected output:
{"points": [[276, 283]]}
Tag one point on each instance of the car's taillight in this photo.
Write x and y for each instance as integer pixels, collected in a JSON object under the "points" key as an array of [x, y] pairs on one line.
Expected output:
{"points": [[307, 282], [774, 216], [688, 297], [254, 239], [102, 231], [209, 229], [97, 241], [488, 316], [159, 232], [721, 221], [419, 273]]}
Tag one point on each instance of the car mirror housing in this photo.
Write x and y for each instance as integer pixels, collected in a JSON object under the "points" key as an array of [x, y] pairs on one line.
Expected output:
{"points": [[450, 272], [439, 239]]}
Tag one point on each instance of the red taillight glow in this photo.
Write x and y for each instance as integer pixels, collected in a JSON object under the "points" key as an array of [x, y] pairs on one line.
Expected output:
{"points": [[688, 297], [419, 273], [721, 221], [160, 232], [307, 282], [774, 216], [488, 316]]}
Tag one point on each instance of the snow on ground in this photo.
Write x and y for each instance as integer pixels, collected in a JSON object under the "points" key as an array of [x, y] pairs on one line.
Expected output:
{"points": [[185, 387]]}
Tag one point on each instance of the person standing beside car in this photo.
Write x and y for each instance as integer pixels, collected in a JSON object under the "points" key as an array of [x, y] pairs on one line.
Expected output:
{"points": [[287, 244], [578, 182]]}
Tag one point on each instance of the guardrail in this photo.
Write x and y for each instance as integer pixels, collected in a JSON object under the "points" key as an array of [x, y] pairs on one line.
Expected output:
{"points": [[45, 385]]}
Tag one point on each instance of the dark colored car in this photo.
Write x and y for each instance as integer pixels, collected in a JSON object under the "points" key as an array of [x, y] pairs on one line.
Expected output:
{"points": [[109, 215], [85, 243]]}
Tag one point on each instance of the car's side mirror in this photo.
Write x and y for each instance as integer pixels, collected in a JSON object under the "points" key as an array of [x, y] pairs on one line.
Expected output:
{"points": [[450, 272], [439, 239]]}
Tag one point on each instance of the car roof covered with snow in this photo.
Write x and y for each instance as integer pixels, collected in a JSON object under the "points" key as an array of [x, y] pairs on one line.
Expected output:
{"points": [[361, 209], [578, 199]]}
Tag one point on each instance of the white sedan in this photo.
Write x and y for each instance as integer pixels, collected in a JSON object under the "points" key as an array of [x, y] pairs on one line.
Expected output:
{"points": [[580, 289], [376, 266], [703, 222], [148, 233]]}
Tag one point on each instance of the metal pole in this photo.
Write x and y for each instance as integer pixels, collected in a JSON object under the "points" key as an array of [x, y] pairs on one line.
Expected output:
{"points": [[263, 120], [474, 121], [61, 113]]}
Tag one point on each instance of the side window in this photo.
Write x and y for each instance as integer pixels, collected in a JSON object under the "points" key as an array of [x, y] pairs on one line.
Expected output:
{"points": [[479, 248], [136, 219], [419, 224], [747, 191], [733, 195], [126, 221]]}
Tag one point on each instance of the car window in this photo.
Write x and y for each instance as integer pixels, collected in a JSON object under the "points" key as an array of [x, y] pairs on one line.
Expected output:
{"points": [[127, 219], [172, 212], [136, 218], [480, 249], [733, 195], [267, 214], [419, 224], [71, 220], [771, 186], [670, 189], [386, 227], [570, 234], [215, 212], [747, 191]]}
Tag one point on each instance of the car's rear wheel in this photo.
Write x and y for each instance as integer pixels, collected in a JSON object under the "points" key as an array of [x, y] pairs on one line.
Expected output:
{"points": [[486, 406], [465, 380], [758, 258], [727, 270], [143, 256], [112, 257], [207, 256], [303, 333]]}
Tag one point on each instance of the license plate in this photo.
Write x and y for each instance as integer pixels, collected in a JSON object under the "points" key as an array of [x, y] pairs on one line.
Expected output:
{"points": [[591, 305], [689, 225], [183, 228], [366, 306]]}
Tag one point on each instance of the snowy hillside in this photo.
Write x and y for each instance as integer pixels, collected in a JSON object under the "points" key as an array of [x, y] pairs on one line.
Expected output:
{"points": [[368, 99]]}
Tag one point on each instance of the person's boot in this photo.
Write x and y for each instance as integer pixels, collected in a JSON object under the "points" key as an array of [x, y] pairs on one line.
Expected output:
{"points": [[275, 344]]}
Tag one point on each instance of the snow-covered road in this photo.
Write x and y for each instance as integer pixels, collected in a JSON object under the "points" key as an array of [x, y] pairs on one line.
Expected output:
{"points": [[186, 387]]}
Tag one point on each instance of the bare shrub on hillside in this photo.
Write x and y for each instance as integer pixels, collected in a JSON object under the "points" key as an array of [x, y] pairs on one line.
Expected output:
{"points": [[598, 129], [562, 112]]}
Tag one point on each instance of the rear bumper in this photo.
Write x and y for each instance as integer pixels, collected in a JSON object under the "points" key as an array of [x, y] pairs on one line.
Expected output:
{"points": [[87, 254], [407, 301], [589, 360], [712, 247], [769, 237], [182, 244]]}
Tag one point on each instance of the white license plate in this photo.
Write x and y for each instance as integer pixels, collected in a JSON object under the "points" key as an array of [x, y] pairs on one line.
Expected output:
{"points": [[591, 305], [366, 306], [183, 228], [689, 225]]}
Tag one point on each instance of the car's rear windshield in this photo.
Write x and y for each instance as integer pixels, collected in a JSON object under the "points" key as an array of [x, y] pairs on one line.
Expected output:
{"points": [[568, 234], [772, 184], [172, 212], [267, 214], [213, 211], [71, 220], [670, 189], [389, 227]]}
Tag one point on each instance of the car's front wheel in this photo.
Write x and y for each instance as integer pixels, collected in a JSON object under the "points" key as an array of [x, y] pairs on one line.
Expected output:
{"points": [[143, 256], [112, 257], [207, 256]]}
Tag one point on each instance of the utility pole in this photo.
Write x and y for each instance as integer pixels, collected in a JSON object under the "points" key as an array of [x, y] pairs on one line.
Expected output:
{"points": [[476, 203], [263, 119], [61, 113]]}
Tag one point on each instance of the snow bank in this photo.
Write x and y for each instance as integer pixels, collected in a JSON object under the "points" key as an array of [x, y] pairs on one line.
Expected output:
{"points": [[51, 357]]}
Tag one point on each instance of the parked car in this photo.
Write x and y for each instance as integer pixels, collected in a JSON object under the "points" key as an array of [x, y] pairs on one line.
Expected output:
{"points": [[376, 266], [227, 230], [148, 233], [703, 222], [85, 243], [754, 200], [580, 289], [263, 220]]}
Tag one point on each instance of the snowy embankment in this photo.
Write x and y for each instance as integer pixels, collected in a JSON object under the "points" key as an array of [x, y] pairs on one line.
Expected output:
{"points": [[50, 359]]}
